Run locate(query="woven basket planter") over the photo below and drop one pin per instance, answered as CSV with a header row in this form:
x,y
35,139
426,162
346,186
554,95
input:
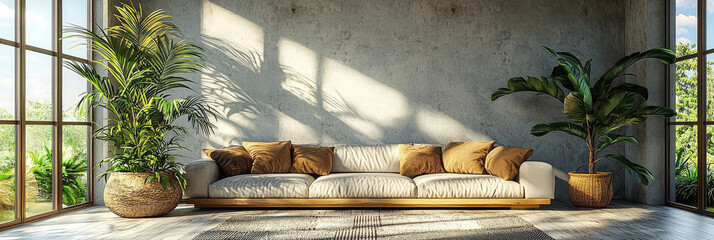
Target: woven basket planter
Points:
x,y
590,190
129,195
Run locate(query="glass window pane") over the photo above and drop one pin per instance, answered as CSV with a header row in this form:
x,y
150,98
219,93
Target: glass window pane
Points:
x,y
686,27
7,82
7,173
38,162
7,19
38,105
73,86
74,164
39,24
686,90
74,12
685,165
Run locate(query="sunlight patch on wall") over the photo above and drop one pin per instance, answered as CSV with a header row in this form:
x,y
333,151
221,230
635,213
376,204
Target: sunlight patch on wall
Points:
x,y
442,128
220,23
360,96
226,132
299,64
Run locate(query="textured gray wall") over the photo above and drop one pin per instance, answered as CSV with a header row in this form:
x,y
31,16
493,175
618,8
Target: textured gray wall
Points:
x,y
374,71
645,28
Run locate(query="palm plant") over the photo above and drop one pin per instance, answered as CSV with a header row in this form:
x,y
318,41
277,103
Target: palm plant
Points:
x,y
595,112
146,60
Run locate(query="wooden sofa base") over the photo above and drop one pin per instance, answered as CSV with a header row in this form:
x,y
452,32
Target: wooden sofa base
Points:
x,y
513,203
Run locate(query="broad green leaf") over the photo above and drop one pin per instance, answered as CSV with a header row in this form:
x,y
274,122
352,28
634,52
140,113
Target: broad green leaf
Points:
x,y
577,76
566,127
519,84
640,173
633,88
610,139
656,110
664,55
620,122
574,108
559,74
609,104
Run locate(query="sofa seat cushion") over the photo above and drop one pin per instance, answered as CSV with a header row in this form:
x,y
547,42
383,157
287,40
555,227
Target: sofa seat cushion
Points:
x,y
455,185
270,185
363,185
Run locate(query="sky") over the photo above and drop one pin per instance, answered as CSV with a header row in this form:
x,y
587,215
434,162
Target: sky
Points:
x,y
686,22
39,66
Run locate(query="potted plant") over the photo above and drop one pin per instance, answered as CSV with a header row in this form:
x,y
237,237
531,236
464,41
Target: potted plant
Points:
x,y
596,111
146,61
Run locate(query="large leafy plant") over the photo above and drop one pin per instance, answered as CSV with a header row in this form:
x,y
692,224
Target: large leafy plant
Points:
x,y
146,60
596,111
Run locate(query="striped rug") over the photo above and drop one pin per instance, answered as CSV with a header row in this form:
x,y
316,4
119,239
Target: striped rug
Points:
x,y
351,224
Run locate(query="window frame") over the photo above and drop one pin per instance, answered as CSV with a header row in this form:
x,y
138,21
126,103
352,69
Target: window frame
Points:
x,y
701,122
20,122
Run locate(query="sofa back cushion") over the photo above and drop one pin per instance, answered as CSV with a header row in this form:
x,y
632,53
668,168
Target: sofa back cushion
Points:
x,y
366,158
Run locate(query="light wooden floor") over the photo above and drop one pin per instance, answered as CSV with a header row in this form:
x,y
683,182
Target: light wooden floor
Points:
x,y
622,220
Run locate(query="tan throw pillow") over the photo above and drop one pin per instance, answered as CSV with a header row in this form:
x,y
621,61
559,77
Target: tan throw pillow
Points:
x,y
312,160
232,161
418,160
269,157
466,157
504,162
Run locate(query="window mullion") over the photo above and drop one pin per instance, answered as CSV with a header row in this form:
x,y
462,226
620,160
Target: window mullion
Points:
x,y
20,98
58,106
702,105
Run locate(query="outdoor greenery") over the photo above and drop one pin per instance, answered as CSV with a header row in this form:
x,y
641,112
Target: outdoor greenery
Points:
x,y
147,61
686,174
596,110
39,162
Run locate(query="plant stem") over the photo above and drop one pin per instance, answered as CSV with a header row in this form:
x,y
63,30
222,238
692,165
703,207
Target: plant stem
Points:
x,y
591,148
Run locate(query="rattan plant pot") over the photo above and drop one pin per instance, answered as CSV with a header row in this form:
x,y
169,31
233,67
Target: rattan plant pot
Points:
x,y
129,195
590,190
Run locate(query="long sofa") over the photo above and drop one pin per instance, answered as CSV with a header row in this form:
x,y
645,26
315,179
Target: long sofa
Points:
x,y
367,176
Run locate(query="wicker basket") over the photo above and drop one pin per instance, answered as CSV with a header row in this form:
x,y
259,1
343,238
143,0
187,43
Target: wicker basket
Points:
x,y
590,190
128,195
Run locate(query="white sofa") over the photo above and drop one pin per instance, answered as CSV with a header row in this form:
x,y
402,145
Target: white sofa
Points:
x,y
367,176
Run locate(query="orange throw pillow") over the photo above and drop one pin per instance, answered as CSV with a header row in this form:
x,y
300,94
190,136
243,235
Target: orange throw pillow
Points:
x,y
466,157
504,162
232,161
269,157
418,160
312,160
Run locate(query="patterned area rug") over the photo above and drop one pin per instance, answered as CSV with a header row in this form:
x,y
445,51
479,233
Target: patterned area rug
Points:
x,y
375,225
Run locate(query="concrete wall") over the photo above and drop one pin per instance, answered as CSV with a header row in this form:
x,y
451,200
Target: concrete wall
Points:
x,y
645,28
374,71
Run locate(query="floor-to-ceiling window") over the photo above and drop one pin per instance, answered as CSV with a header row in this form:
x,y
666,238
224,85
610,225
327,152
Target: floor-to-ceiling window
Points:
x,y
45,147
691,94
